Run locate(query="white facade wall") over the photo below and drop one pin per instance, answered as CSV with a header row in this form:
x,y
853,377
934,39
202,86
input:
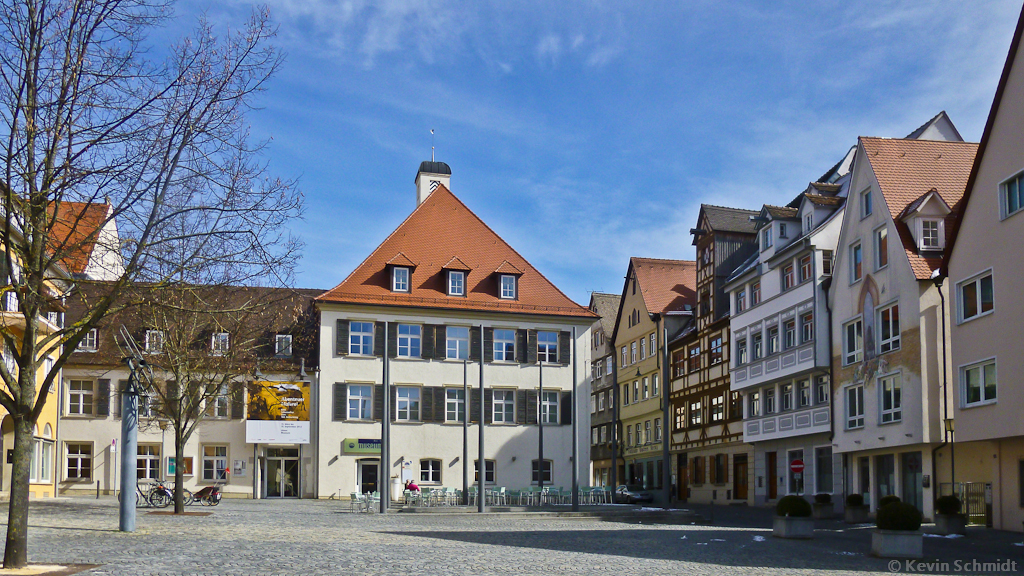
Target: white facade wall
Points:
x,y
99,431
513,447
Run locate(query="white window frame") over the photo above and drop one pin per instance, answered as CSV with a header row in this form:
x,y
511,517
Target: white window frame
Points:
x,y
978,300
786,395
803,393
454,405
856,251
788,276
220,343
806,327
508,287
83,459
657,429
407,405
754,404
772,343
456,342
741,299
766,237
431,473
283,345
890,392
1004,195
647,431
865,204
548,407
755,293
853,352
503,409
881,254
81,399
782,230
90,343
360,404
400,279
808,222
789,334
41,466
769,401
505,346
600,401
854,406
643,348
360,338
547,347
939,240
632,352
147,462
805,263
741,351
489,474
154,341
822,390
654,385
456,283
222,403
892,342
983,398
218,463
756,346
409,342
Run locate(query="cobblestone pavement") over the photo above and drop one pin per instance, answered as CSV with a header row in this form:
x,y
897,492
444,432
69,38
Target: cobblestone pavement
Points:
x,y
311,537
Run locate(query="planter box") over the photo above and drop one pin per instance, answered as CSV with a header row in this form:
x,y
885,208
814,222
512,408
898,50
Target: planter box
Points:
x,y
824,511
793,527
857,515
946,524
897,543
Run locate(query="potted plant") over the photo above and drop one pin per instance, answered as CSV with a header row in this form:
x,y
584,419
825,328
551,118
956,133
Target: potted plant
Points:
x,y
793,518
888,500
823,509
898,534
856,512
948,519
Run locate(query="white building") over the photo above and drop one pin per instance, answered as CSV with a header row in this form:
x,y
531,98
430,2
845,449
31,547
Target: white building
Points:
x,y
887,347
442,301
780,325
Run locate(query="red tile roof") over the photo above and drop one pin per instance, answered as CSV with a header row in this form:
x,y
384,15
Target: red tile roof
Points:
x,y
440,230
75,230
507,268
667,285
456,264
907,169
401,259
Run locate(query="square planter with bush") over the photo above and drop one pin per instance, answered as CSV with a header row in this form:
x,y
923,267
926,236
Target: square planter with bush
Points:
x,y
823,508
856,512
793,518
898,534
948,519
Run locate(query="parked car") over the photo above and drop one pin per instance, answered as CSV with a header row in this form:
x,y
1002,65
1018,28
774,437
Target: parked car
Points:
x,y
632,494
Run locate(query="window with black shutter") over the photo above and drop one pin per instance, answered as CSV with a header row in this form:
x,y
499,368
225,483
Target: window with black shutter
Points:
x,y
340,402
532,410
566,408
341,338
378,402
103,397
488,344
564,347
531,346
474,405
475,344
488,405
378,339
521,407
522,346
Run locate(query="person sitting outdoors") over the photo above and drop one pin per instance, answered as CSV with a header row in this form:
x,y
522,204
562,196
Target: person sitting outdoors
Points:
x,y
411,486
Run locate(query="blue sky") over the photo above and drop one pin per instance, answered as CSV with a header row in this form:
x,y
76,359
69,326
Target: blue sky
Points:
x,y
587,132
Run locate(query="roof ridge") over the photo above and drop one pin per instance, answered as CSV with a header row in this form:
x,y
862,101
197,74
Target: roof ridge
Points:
x,y
922,142
663,259
727,208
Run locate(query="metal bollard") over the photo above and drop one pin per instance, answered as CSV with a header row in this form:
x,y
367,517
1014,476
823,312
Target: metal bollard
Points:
x,y
97,489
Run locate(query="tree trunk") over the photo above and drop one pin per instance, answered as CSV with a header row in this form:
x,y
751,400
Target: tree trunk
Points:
x,y
16,551
179,474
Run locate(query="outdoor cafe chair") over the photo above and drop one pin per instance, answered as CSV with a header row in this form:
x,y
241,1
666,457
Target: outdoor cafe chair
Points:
x,y
357,502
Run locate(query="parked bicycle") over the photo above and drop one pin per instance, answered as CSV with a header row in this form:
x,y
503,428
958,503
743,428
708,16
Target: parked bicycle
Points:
x,y
158,495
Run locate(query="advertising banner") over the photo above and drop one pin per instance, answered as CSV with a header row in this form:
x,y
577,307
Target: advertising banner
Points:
x,y
360,446
278,413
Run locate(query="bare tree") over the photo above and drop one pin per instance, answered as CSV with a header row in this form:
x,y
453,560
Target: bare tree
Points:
x,y
88,120
205,343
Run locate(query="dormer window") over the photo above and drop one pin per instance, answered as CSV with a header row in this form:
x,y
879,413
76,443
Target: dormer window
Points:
x,y
782,230
399,279
931,236
508,287
456,283
766,238
808,222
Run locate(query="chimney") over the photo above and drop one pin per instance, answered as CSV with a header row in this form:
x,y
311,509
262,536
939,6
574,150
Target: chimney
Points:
x,y
430,176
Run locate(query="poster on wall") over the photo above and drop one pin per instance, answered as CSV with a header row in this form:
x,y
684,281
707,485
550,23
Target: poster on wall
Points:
x,y
278,413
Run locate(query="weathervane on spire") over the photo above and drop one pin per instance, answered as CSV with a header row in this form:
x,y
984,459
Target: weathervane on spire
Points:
x,y
431,144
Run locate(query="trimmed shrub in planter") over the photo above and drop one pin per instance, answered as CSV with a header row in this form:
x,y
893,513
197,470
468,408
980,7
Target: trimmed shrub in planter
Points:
x,y
898,534
856,512
888,500
793,518
948,519
823,509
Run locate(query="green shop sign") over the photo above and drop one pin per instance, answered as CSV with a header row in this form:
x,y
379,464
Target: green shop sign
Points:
x,y
360,446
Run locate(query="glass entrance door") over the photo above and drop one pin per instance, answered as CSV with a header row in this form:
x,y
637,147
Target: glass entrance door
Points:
x,y
282,477
368,476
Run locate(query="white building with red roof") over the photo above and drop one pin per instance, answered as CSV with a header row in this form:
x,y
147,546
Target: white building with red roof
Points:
x,y
887,346
441,303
